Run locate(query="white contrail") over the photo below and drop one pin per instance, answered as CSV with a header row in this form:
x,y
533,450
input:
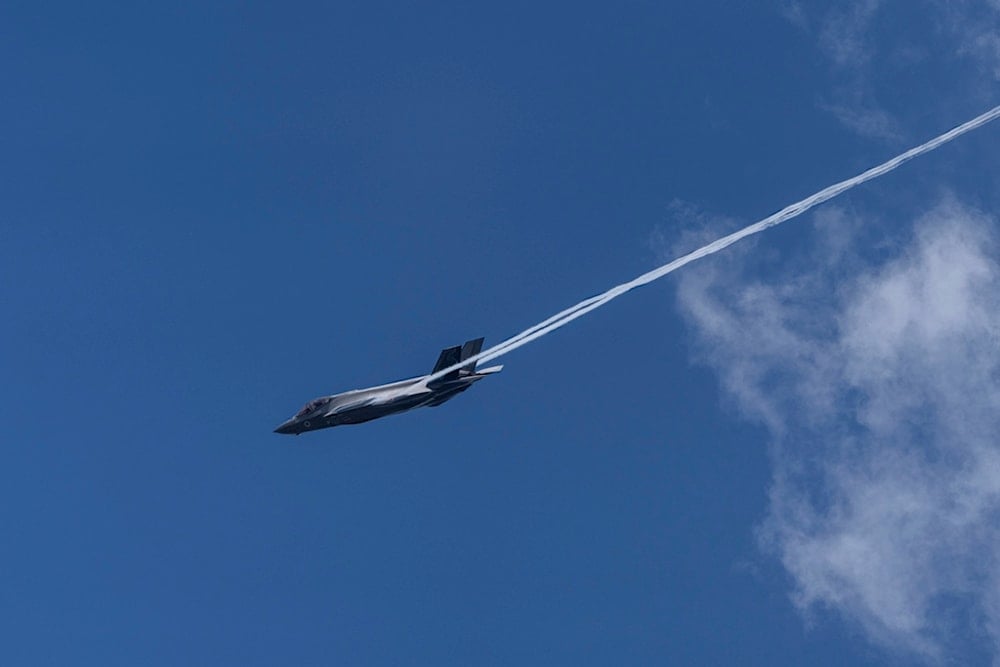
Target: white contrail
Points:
x,y
580,309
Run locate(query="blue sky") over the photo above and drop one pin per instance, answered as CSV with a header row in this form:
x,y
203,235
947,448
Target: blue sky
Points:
x,y
213,212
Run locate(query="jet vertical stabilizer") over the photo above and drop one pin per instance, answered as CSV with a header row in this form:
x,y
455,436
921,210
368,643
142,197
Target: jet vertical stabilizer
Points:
x,y
471,349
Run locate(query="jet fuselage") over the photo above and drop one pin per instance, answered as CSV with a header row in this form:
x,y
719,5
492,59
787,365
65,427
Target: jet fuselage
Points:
x,y
361,405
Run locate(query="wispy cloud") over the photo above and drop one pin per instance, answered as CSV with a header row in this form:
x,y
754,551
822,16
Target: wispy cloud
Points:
x,y
794,13
974,26
860,114
873,48
843,36
985,49
880,386
845,33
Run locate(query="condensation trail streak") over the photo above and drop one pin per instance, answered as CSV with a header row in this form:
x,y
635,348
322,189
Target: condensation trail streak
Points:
x,y
580,309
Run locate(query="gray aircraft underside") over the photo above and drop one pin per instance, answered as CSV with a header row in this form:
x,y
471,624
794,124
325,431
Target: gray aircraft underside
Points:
x,y
361,405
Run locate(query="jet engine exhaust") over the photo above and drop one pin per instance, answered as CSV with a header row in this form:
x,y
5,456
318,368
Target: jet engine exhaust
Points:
x,y
580,309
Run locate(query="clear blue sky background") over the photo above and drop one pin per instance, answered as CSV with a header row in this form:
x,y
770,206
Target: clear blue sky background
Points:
x,y
213,212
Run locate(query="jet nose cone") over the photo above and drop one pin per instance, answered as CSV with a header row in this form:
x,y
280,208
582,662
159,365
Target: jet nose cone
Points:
x,y
287,428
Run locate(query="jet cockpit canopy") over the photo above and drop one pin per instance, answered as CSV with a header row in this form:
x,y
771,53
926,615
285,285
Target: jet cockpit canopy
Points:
x,y
311,406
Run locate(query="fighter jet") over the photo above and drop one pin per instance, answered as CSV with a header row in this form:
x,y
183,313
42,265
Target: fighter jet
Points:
x,y
361,405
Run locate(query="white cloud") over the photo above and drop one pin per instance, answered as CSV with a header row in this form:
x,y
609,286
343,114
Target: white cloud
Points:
x,y
880,387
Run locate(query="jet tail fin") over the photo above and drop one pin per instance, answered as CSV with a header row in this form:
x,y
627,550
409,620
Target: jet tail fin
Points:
x,y
448,357
471,349
454,355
